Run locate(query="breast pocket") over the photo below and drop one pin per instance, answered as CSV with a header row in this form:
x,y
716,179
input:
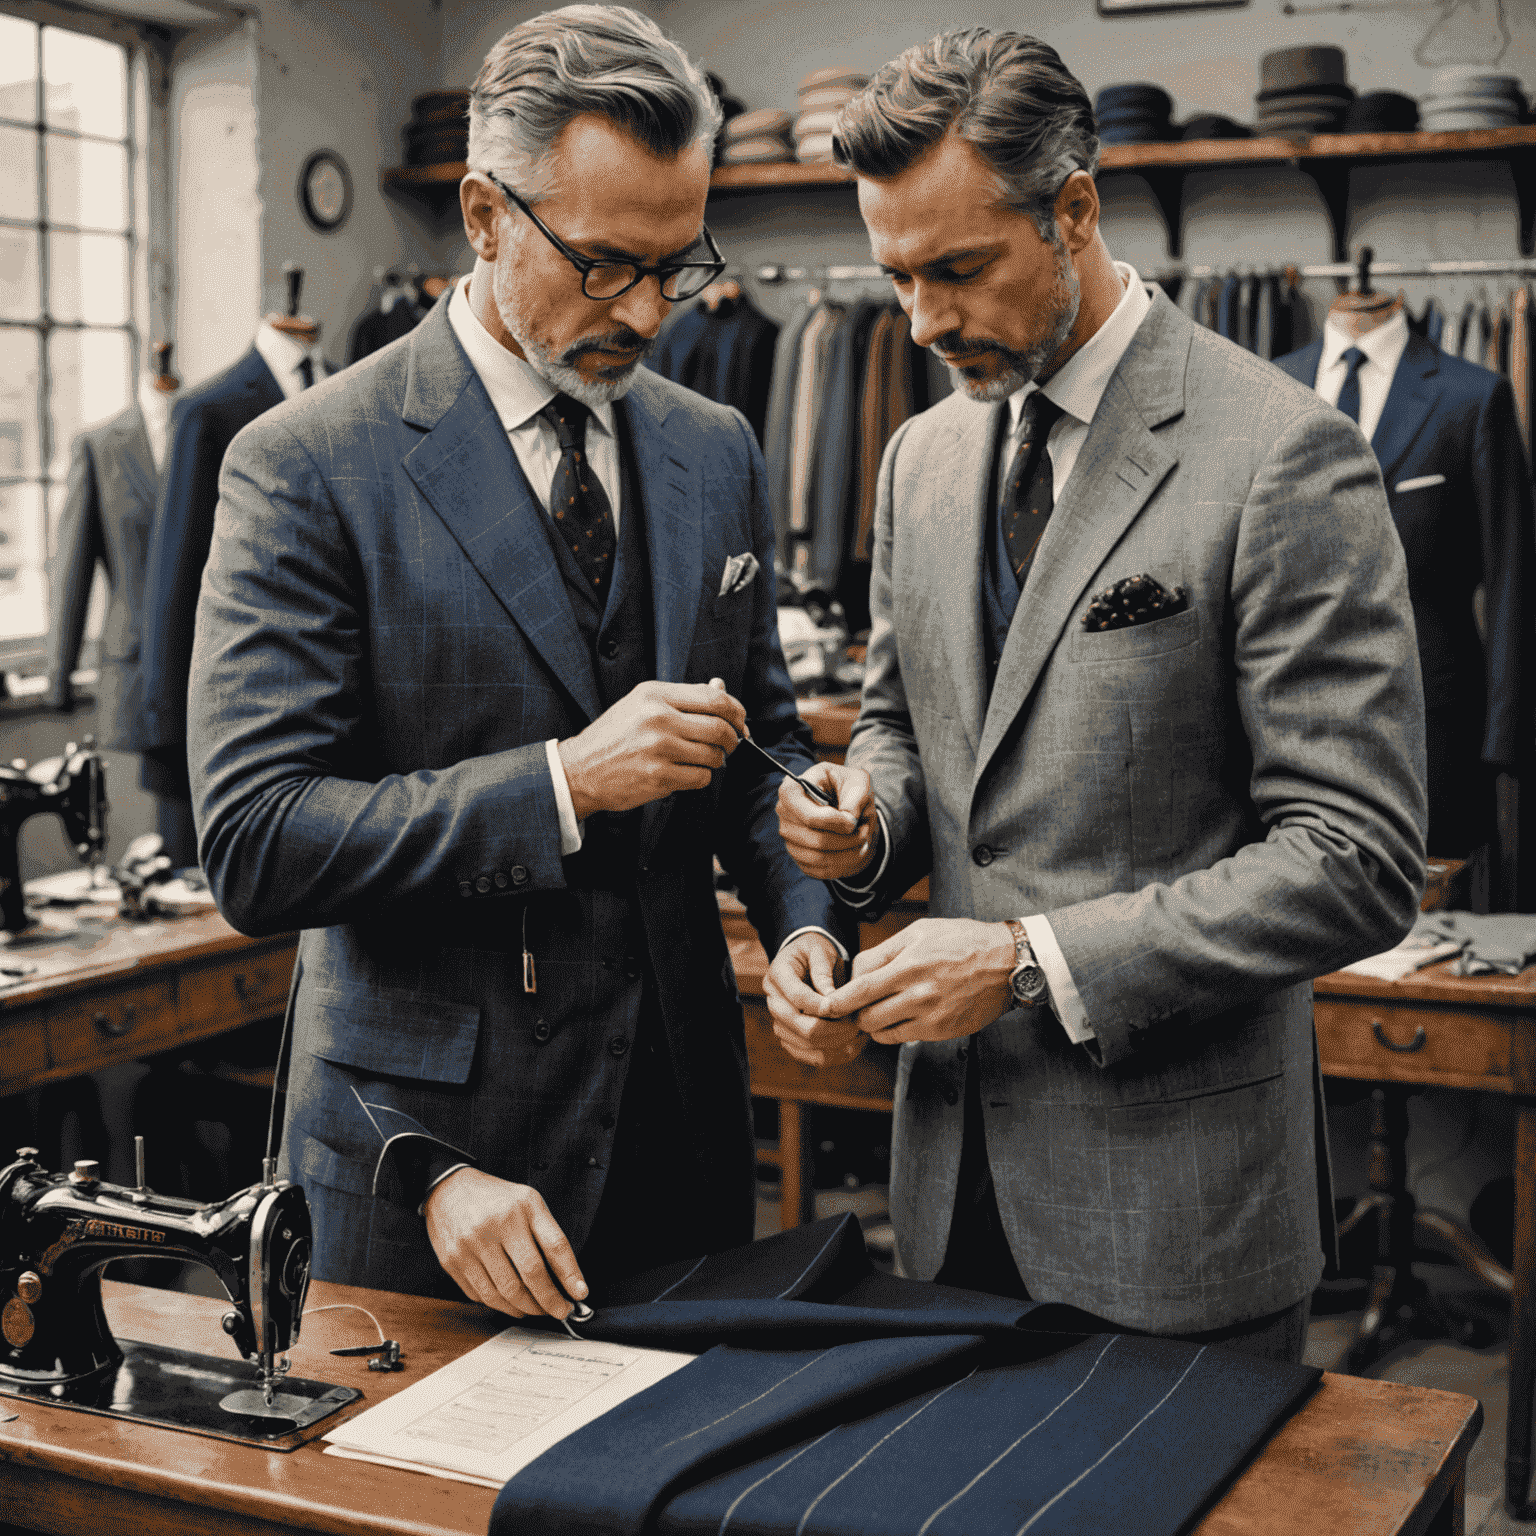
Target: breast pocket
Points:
x,y
1138,641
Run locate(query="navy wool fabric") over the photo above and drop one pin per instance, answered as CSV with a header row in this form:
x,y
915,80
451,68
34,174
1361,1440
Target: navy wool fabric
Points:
x,y
831,1398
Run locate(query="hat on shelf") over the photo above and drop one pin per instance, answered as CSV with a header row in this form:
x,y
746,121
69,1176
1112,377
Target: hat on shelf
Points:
x,y
1212,125
438,132
1135,113
1302,90
809,124
1301,69
833,75
763,151
1381,112
817,149
761,122
823,97
1464,96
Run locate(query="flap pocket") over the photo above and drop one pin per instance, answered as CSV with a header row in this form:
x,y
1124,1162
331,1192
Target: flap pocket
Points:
x,y
392,1034
1151,639
315,1163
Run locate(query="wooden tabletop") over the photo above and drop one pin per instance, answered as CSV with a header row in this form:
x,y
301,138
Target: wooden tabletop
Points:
x,y
1374,1458
1437,984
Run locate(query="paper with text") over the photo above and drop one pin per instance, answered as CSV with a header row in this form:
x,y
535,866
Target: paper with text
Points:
x,y
492,1411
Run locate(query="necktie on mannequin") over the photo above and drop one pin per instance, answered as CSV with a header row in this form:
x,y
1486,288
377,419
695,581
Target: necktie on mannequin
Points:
x,y
577,501
1029,494
1349,395
306,371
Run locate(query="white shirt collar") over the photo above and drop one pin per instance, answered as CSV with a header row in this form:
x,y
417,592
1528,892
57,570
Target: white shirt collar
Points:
x,y
518,393
1079,384
283,353
1384,346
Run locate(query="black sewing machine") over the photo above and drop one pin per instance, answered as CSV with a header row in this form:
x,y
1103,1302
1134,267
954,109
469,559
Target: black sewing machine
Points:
x,y
74,788
56,1233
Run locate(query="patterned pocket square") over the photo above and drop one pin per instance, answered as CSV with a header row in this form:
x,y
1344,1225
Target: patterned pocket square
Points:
x,y
1135,600
740,572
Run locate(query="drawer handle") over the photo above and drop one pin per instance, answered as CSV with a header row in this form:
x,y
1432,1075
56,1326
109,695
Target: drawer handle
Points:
x,y
114,1029
1416,1044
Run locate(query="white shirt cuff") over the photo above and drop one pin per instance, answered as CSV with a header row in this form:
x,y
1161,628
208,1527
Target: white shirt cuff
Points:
x,y
812,928
1065,1001
571,830
867,891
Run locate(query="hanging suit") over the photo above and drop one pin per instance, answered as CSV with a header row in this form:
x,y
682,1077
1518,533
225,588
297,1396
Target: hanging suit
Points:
x,y
108,508
1460,495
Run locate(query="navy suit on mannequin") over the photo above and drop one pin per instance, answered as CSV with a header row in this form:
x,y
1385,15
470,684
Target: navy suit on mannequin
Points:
x,y
1460,495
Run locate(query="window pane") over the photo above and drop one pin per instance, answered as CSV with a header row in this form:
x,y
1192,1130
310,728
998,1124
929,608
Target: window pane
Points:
x,y
85,83
18,402
18,274
88,278
18,69
23,595
18,173
87,183
90,383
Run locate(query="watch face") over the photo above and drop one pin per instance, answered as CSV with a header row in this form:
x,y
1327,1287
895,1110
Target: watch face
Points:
x,y
1029,985
325,190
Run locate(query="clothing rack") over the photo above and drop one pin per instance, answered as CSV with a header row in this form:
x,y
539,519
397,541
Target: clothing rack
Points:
x,y
1348,269
774,273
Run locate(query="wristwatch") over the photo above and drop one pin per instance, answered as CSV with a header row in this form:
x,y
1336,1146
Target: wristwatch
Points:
x,y
1026,981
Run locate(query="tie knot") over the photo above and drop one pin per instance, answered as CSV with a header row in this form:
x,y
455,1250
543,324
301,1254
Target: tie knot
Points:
x,y
1354,357
568,417
1039,415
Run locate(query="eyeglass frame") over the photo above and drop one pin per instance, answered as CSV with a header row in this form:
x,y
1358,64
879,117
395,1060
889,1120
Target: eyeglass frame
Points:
x,y
585,265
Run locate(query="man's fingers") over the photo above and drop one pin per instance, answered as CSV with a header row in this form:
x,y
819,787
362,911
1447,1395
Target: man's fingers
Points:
x,y
558,1254
864,991
528,1261
706,699
509,1291
823,964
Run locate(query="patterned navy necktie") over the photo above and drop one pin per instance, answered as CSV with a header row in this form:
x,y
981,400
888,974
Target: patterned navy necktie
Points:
x,y
1029,493
306,371
577,501
1349,395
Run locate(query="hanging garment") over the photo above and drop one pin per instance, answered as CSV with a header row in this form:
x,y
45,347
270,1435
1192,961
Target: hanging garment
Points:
x,y
831,1398
1520,362
725,354
395,311
1449,446
109,504
778,436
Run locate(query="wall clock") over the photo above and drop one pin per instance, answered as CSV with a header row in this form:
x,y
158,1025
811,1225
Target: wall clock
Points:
x,y
325,191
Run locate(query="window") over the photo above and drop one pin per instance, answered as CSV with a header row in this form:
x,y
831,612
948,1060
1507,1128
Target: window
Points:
x,y
73,116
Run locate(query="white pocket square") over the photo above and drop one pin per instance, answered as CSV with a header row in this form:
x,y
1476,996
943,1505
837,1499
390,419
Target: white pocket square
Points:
x,y
1419,483
740,571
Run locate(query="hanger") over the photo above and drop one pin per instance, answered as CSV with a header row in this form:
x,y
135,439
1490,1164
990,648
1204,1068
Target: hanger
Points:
x,y
1361,312
165,381
304,329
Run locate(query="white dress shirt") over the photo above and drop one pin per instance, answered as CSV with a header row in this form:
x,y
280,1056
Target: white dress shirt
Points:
x,y
1077,387
283,353
1383,348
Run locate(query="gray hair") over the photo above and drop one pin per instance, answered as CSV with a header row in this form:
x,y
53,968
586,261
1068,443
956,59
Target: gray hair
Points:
x,y
603,59
1006,94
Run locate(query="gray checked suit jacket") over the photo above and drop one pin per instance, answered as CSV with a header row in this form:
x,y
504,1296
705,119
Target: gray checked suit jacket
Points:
x,y
1211,809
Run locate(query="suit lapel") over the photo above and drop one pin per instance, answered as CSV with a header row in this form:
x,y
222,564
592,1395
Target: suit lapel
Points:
x,y
136,461
1302,365
1121,464
469,475
1410,399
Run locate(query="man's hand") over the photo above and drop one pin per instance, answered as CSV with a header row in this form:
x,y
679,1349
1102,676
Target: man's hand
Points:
x,y
939,979
798,982
830,844
660,738
501,1246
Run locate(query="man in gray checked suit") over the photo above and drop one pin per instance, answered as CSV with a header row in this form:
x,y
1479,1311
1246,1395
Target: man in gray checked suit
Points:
x,y
485,617
1142,701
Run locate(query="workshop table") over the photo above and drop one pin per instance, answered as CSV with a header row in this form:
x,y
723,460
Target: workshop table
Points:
x,y
1373,1458
117,990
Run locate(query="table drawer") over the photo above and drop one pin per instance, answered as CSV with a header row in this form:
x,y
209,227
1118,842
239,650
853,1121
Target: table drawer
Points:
x,y
1363,1038
251,987
134,1021
23,1053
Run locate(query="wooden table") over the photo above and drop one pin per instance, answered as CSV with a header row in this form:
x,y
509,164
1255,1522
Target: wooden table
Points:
x,y
117,990
1371,1458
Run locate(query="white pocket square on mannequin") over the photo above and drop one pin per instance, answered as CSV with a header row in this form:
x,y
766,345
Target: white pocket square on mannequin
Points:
x,y
1419,483
740,572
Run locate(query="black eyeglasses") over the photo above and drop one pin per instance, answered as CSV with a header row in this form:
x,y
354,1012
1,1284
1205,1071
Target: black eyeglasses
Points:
x,y
604,280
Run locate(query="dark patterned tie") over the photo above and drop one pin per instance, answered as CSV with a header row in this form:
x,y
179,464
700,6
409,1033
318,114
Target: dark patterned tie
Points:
x,y
306,371
1349,395
577,501
1029,494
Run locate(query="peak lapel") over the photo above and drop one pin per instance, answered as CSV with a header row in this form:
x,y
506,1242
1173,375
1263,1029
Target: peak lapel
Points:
x,y
466,470
1409,400
1121,464
138,463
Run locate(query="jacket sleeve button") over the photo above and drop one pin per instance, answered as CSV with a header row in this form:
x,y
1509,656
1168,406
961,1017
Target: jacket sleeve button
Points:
x,y
500,878
591,1162
519,875
982,855
618,1046
483,885
465,888
950,1096
541,1031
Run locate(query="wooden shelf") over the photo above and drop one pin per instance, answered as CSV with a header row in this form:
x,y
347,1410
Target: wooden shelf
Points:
x,y
1325,158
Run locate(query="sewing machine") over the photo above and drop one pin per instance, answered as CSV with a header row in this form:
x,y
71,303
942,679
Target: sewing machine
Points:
x,y
57,1231
73,787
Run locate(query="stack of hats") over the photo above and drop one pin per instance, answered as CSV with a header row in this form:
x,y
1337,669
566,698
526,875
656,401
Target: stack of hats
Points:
x,y
1463,96
1134,114
1303,91
820,97
760,137
1382,112
438,131
1212,125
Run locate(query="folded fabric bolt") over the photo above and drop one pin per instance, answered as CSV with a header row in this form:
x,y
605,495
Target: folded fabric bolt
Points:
x,y
763,122
904,1405
827,98
809,123
1503,943
817,147
833,74
756,152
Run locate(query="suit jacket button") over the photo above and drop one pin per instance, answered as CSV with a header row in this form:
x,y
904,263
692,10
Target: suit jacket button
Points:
x,y
591,1162
982,855
631,967
519,875
465,888
501,879
950,1096
610,648
541,1031
618,1046
483,885
607,1122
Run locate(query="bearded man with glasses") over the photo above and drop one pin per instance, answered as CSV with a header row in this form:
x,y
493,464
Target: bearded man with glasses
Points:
x,y
457,713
